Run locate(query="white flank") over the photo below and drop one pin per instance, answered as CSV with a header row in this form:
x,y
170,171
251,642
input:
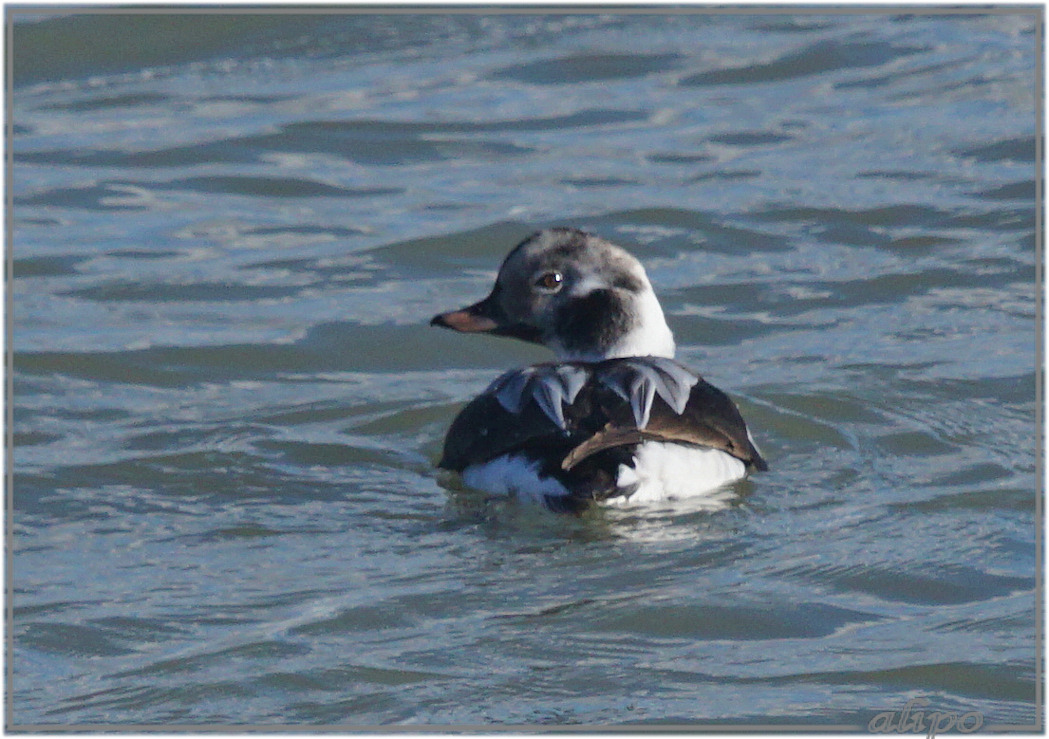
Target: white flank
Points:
x,y
663,471
513,476
672,471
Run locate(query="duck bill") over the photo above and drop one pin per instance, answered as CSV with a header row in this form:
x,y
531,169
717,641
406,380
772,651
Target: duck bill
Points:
x,y
486,317
479,318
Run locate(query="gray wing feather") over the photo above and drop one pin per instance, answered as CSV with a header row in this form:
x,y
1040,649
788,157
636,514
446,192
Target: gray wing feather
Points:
x,y
642,391
509,387
549,386
637,381
676,383
559,385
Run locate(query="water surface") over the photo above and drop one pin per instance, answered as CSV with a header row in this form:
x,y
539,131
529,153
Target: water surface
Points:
x,y
230,232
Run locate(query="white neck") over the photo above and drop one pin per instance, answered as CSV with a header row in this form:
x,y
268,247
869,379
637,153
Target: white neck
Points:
x,y
650,336
645,343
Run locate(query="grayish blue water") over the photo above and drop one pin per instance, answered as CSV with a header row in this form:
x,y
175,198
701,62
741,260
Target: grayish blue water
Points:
x,y
230,232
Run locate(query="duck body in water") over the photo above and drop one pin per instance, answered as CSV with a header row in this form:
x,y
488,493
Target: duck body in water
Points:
x,y
615,419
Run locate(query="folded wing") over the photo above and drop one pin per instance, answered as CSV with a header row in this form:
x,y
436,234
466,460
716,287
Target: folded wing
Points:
x,y
572,411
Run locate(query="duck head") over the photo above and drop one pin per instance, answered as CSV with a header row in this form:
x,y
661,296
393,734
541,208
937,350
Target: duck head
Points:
x,y
575,293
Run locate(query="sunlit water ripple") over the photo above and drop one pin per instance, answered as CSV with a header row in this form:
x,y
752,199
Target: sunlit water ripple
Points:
x,y
230,232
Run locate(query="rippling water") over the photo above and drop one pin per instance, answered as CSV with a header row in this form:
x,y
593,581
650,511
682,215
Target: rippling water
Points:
x,y
230,231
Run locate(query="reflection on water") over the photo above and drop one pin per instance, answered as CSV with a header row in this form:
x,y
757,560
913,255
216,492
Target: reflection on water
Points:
x,y
231,229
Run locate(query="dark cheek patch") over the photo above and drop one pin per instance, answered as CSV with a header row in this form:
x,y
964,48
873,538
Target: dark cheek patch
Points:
x,y
593,321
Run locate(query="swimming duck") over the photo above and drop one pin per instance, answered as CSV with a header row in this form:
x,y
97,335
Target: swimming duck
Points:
x,y
615,418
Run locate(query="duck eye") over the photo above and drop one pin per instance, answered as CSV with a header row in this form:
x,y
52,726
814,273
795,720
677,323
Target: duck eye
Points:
x,y
550,280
